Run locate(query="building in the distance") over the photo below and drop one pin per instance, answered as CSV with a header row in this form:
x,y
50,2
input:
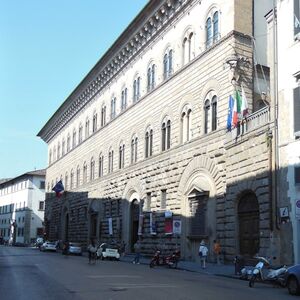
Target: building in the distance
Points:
x,y
22,202
142,144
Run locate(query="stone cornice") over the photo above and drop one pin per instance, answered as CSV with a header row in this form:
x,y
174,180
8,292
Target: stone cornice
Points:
x,y
155,16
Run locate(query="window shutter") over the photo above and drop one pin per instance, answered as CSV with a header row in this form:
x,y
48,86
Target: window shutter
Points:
x,y
297,111
296,17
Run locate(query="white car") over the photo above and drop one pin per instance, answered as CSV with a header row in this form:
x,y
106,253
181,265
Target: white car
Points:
x,y
75,248
106,251
48,246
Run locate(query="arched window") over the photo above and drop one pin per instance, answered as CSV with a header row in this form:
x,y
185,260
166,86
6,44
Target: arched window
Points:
x,y
72,179
168,64
68,143
103,115
187,46
92,175
136,89
66,181
84,178
111,161
166,135
87,128
134,149
148,142
58,150
208,33
210,112
124,99
80,134
94,122
101,165
216,27
63,147
74,139
151,78
50,157
113,108
186,124
78,176
121,156
54,154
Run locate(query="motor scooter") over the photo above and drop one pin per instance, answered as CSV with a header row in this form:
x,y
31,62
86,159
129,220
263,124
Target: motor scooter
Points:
x,y
170,260
265,272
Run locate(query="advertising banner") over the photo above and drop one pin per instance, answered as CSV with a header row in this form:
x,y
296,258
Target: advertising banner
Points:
x,y
168,222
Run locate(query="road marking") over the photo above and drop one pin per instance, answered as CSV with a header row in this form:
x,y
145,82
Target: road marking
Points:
x,y
142,286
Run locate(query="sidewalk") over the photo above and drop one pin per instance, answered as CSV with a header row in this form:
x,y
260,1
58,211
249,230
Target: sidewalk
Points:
x,y
226,270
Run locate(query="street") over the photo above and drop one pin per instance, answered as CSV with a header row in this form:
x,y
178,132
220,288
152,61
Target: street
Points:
x,y
27,273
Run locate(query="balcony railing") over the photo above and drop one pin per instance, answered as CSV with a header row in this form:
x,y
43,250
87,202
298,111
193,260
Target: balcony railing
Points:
x,y
252,122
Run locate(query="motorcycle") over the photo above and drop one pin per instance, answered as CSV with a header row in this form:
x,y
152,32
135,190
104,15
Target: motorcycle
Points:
x,y
170,260
264,272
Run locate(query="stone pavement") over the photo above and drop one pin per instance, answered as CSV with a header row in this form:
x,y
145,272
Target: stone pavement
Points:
x,y
226,270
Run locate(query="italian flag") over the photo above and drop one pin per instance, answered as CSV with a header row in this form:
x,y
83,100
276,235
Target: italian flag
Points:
x,y
236,109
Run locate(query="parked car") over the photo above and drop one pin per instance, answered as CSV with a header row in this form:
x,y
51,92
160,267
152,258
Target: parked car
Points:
x,y
292,280
75,248
48,246
108,251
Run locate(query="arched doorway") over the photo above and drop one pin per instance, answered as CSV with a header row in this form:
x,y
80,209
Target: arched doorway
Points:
x,y
248,215
134,222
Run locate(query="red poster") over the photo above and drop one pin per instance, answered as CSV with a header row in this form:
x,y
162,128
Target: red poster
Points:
x,y
168,222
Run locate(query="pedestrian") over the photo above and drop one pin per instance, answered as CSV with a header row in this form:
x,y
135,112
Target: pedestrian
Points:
x,y
137,250
217,251
92,251
203,251
66,247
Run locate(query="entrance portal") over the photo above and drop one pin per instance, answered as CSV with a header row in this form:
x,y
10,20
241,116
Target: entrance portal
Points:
x,y
248,214
134,215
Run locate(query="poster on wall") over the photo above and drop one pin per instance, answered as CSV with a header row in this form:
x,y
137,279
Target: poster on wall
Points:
x,y
168,222
141,221
152,223
177,227
110,226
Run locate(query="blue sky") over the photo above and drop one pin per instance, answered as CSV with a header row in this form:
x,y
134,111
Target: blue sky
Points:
x,y
46,48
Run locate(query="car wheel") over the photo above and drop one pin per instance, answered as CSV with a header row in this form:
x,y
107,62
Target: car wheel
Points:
x,y
293,285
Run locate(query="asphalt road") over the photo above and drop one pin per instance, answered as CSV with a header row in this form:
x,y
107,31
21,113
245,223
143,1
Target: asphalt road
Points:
x,y
28,274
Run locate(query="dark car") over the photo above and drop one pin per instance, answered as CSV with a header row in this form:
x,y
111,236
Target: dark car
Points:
x,y
293,280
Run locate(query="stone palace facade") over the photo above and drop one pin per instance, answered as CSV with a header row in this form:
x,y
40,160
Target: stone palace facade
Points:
x,y
141,144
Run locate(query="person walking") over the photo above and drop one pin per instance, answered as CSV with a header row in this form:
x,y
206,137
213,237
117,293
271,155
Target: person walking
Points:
x,y
137,250
217,251
203,251
92,251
